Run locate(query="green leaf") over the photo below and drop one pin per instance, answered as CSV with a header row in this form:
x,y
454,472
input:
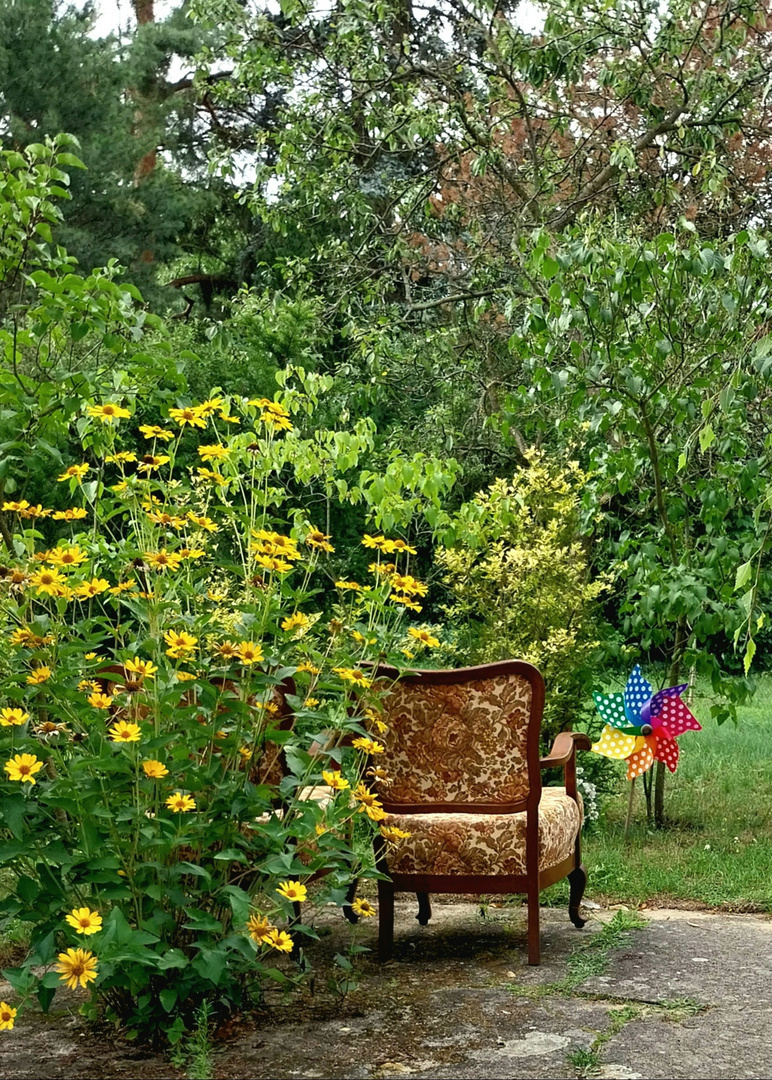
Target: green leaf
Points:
x,y
707,437
750,652
168,998
743,574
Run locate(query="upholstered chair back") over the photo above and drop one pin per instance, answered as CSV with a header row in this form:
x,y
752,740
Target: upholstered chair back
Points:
x,y
461,738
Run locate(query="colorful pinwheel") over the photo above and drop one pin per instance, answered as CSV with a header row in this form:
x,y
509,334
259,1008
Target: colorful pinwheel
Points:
x,y
642,727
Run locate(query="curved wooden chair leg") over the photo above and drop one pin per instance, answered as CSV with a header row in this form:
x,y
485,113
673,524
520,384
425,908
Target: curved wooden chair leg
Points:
x,y
385,920
577,881
351,893
424,908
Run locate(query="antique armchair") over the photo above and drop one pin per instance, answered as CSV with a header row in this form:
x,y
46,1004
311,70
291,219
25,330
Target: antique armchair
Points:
x,y
464,779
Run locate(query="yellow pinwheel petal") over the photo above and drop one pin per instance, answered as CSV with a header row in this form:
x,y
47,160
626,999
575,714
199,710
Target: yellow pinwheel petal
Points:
x,y
613,744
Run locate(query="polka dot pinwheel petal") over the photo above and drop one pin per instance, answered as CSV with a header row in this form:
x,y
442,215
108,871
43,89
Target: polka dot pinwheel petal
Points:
x,y
613,744
658,700
677,717
637,693
667,751
611,708
642,759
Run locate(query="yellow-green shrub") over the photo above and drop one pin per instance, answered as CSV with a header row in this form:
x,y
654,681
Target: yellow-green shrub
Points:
x,y
519,576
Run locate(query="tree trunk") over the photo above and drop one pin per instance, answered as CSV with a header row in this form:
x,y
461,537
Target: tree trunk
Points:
x,y
673,675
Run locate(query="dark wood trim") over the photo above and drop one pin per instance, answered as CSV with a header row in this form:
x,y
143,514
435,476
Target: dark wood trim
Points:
x,y
455,807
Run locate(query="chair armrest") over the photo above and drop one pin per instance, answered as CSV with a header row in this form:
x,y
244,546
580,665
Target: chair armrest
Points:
x,y
564,749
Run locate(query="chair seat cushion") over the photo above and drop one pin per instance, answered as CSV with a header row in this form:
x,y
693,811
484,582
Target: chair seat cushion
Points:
x,y
485,844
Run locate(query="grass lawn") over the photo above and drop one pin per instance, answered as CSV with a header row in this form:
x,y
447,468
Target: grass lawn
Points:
x,y
717,848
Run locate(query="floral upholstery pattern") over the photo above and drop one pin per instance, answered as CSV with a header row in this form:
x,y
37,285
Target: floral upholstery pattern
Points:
x,y
457,742
484,843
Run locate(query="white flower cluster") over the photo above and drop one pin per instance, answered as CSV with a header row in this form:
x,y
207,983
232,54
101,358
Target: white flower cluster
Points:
x,y
589,794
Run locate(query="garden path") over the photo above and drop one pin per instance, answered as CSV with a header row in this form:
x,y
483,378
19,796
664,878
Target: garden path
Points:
x,y
686,994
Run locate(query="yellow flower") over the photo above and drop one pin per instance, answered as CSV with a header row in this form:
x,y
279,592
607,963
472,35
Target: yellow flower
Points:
x,y
39,675
14,507
161,518
13,717
354,586
363,908
92,656
393,834
293,890
7,1016
406,602
23,636
249,652
122,457
66,556
151,431
311,703
180,803
163,560
203,522
74,471
156,770
125,732
186,676
146,669
369,746
77,967
369,803
309,667
34,512
47,581
85,921
23,767
407,584
213,452
269,563
90,685
229,419
210,406
100,700
180,643
119,487
373,541
91,588
279,939
400,545
152,461
108,412
259,928
227,650
212,475
191,553
73,513
296,621
123,586
317,539
335,781
424,637
191,415
353,675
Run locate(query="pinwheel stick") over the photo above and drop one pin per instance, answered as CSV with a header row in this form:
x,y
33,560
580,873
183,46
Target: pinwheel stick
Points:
x,y
630,798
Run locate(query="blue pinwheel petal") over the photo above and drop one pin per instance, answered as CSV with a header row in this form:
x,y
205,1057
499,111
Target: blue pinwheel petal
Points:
x,y
637,693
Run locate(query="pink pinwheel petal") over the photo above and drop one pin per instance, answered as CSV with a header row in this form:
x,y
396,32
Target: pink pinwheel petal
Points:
x,y
677,718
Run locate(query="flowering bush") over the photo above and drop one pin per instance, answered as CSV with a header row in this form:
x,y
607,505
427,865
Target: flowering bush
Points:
x,y
174,658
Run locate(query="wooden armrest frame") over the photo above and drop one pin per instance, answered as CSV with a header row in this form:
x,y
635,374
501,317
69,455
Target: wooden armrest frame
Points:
x,y
563,756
